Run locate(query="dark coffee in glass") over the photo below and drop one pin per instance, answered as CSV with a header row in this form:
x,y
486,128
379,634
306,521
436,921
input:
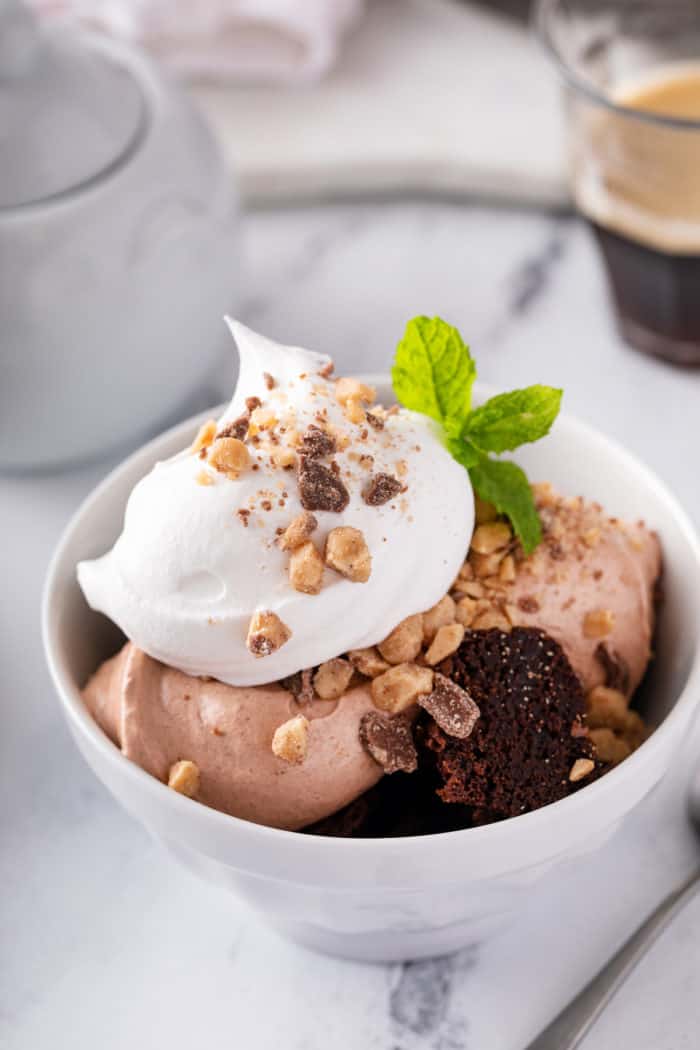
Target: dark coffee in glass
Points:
x,y
633,93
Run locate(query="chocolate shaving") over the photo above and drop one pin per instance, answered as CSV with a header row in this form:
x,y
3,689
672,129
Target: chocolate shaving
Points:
x,y
316,443
389,741
617,674
320,489
237,429
380,489
451,707
374,421
300,685
251,403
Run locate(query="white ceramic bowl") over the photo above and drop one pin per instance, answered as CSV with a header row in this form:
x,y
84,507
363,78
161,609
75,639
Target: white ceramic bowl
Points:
x,y
388,899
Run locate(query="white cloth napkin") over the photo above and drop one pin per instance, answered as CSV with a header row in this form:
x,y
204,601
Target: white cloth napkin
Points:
x,y
277,41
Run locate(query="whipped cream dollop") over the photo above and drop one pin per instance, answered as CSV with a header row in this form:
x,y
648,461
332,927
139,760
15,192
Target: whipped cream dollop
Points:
x,y
199,553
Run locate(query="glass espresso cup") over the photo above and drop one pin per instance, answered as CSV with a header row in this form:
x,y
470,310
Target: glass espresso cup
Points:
x,y
631,70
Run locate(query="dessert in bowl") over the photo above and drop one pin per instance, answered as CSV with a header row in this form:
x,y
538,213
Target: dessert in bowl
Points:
x,y
391,710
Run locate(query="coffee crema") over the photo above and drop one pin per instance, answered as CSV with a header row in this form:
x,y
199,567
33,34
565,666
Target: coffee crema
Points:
x,y
637,180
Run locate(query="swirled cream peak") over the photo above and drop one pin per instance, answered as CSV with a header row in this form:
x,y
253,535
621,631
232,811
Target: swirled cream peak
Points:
x,y
305,522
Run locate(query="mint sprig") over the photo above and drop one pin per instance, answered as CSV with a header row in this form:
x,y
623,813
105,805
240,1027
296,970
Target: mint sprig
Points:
x,y
433,374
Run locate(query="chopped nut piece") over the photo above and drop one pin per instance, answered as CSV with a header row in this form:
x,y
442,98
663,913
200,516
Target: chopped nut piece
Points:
x,y
486,564
451,707
332,678
317,443
306,569
269,381
353,411
266,633
347,389
284,458
368,662
484,511
472,588
298,531
389,741
609,748
299,685
506,570
580,769
606,708
261,419
380,489
486,621
447,641
374,421
326,371
205,436
491,537
229,456
401,468
204,478
439,616
320,489
237,429
400,686
405,641
347,553
465,611
290,741
184,778
598,623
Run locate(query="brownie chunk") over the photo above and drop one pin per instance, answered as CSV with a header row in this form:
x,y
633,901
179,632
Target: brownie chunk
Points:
x,y
530,731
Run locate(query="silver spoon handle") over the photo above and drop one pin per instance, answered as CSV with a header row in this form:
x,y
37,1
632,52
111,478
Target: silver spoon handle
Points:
x,y
568,1029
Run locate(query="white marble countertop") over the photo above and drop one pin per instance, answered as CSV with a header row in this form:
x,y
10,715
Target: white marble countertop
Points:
x,y
107,943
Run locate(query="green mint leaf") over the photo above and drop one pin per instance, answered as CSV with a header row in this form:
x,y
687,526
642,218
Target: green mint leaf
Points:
x,y
433,371
463,451
506,486
509,420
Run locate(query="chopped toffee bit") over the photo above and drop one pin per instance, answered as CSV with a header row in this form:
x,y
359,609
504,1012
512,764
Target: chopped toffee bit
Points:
x,y
316,443
606,709
320,489
347,553
609,747
348,389
299,685
389,741
298,531
205,436
353,411
368,662
380,489
441,615
306,568
374,421
229,456
266,633
237,429
290,741
269,381
400,686
447,640
491,537
204,478
332,678
183,777
404,643
262,419
598,623
251,403
617,673
580,769
451,707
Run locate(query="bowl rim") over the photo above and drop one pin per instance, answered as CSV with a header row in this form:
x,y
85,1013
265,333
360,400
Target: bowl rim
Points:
x,y
526,823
